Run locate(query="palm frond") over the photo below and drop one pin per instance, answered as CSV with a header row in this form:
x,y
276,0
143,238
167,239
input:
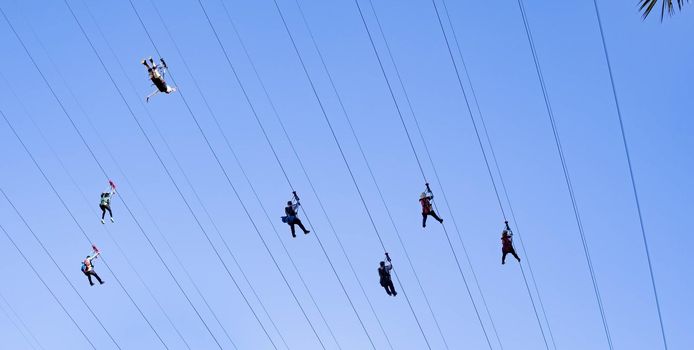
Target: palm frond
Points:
x,y
646,6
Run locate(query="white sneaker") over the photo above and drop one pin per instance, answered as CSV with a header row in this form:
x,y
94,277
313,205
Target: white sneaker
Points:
x,y
112,220
102,221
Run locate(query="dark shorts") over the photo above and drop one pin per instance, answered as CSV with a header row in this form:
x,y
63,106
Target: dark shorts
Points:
x,y
160,84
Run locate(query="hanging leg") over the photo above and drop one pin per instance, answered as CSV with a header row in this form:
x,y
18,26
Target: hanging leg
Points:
x,y
110,213
97,277
152,94
103,213
293,230
433,214
392,288
89,277
513,252
503,258
301,225
424,220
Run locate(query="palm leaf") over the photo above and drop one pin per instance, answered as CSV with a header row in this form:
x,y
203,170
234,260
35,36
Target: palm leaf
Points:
x,y
667,6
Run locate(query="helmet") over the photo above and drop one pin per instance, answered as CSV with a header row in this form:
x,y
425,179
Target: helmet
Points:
x,y
424,195
383,263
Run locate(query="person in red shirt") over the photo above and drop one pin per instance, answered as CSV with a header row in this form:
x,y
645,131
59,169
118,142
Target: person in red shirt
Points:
x,y
425,201
507,246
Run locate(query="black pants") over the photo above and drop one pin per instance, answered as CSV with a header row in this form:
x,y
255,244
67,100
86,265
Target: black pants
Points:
x,y
89,276
389,287
104,208
433,215
301,226
510,251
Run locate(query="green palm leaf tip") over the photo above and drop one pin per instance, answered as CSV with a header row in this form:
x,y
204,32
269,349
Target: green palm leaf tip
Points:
x,y
667,6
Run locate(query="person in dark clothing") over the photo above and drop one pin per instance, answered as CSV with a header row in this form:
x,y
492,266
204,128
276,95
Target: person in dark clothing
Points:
x,y
291,218
425,201
507,246
105,204
88,268
384,275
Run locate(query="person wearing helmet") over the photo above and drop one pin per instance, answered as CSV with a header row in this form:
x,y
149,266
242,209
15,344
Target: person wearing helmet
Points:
x,y
425,201
384,275
507,245
88,268
291,218
105,204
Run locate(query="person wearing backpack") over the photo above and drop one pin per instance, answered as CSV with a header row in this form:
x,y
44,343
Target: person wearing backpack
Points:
x,y
291,211
88,267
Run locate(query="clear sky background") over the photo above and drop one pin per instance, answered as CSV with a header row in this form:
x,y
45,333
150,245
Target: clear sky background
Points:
x,y
653,73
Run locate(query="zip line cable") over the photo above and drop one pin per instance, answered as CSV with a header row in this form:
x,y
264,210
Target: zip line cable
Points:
x,y
631,173
226,175
28,263
397,106
71,214
177,188
84,233
74,183
314,191
228,180
45,250
205,210
567,178
23,324
325,115
501,178
275,112
17,327
344,110
69,211
103,170
436,175
479,140
239,163
72,179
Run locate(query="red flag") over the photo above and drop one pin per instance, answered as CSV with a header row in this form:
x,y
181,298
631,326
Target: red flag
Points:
x,y
112,184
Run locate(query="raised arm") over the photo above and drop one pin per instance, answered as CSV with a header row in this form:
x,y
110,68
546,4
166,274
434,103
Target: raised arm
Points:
x,y
93,256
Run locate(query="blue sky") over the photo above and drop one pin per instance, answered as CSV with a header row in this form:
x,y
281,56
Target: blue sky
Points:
x,y
651,72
